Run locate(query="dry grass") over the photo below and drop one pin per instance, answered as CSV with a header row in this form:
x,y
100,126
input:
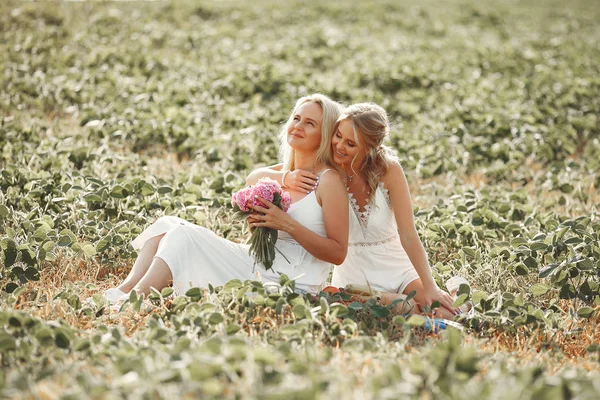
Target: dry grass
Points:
x,y
555,348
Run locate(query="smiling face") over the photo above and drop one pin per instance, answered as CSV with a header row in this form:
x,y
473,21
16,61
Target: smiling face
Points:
x,y
347,150
304,130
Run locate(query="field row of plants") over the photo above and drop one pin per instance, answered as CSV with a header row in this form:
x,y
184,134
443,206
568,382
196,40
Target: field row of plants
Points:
x,y
114,114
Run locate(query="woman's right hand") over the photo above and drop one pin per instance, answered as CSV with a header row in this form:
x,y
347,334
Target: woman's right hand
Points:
x,y
301,180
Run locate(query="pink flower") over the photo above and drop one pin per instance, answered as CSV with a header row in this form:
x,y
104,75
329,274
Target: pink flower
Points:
x,y
286,201
241,199
264,188
261,240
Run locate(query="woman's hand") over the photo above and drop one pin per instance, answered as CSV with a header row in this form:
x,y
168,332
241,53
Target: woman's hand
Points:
x,y
269,216
301,180
437,294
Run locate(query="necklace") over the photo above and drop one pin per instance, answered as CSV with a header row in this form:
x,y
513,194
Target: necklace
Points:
x,y
363,187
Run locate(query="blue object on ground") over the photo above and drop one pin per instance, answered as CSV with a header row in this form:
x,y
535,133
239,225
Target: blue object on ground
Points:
x,y
437,324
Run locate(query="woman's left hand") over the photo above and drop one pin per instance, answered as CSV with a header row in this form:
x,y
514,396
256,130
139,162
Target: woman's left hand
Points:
x,y
270,216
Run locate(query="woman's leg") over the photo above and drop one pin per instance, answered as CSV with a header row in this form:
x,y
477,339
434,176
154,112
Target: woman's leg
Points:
x,y
141,265
158,276
417,285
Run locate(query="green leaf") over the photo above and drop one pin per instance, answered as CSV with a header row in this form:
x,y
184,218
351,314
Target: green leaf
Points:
x,y
82,345
548,270
10,257
41,233
154,294
195,293
102,245
88,249
7,342
463,288
539,289
166,292
585,312
338,310
3,211
119,192
567,291
8,243
460,300
469,252
216,318
301,311
380,311
232,284
521,269
356,305
232,328
32,274
411,295
566,188
62,340
416,320
48,245
92,198
585,265
538,246
492,314
530,263
164,189
64,241
146,189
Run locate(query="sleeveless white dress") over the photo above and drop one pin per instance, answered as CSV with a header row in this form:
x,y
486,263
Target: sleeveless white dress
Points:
x,y
375,254
197,256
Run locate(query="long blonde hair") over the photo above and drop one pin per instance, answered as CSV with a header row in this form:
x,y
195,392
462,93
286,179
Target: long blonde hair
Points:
x,y
371,121
331,111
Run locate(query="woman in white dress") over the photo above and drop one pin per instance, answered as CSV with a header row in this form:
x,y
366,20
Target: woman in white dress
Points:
x,y
313,233
385,252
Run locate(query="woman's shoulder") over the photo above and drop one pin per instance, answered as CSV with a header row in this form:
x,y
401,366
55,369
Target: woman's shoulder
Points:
x,y
329,176
394,172
329,172
330,181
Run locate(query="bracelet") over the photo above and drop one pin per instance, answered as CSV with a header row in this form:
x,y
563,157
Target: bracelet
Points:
x,y
283,185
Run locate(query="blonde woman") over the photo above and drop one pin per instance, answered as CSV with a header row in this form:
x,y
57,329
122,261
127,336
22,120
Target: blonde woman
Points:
x,y
385,251
313,233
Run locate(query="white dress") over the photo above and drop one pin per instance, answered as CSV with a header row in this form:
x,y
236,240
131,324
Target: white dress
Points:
x,y
197,256
375,254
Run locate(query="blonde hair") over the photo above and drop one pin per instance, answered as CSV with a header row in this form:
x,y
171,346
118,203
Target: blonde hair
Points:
x,y
331,111
372,122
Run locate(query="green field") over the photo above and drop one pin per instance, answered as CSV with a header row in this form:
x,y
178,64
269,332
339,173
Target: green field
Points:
x,y
113,114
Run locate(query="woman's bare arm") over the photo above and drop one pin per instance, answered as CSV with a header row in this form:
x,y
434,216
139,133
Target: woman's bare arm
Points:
x,y
273,171
396,183
299,179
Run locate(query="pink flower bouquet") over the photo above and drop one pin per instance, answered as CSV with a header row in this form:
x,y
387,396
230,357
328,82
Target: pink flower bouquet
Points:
x,y
262,241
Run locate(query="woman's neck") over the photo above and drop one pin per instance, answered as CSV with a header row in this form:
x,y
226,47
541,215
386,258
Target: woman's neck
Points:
x,y
306,162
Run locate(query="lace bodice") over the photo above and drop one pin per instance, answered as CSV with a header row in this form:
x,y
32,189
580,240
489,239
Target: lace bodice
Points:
x,y
375,253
